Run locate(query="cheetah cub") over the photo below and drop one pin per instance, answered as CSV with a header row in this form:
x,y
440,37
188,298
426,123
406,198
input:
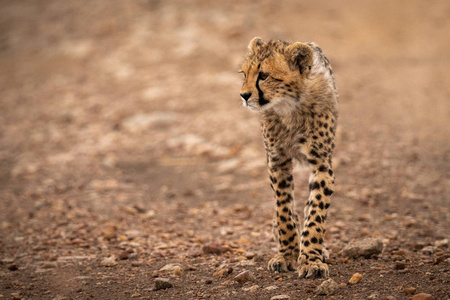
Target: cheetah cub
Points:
x,y
292,87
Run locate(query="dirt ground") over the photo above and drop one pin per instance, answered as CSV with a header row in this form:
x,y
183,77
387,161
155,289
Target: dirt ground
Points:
x,y
126,156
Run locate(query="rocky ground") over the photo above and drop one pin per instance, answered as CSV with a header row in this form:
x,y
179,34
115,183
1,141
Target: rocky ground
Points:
x,y
129,169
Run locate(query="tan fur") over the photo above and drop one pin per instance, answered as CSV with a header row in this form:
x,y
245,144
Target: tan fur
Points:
x,y
292,86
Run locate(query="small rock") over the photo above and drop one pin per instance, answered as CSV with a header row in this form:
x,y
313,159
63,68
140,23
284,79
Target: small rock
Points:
x,y
124,255
249,255
109,261
13,267
15,296
328,287
213,248
399,265
243,277
135,295
366,248
422,296
177,271
110,234
389,298
208,281
429,250
409,290
223,272
281,297
130,210
355,278
49,265
270,288
252,289
169,267
162,283
441,243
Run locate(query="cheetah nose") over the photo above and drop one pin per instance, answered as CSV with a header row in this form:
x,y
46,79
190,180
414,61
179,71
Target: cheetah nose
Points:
x,y
246,96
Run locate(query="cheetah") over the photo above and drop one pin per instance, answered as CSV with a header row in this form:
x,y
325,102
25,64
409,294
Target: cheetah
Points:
x,y
292,87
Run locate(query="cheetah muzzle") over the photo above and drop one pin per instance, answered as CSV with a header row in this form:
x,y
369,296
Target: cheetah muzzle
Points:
x,y
292,86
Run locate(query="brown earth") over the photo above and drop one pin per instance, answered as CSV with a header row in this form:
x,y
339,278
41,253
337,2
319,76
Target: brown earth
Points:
x,y
124,148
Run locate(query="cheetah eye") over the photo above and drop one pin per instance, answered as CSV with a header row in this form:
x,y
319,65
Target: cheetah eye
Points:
x,y
242,72
263,76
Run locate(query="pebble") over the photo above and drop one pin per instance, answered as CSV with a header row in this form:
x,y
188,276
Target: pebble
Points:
x,y
429,250
243,277
177,271
281,297
169,267
162,283
213,248
441,243
271,288
109,261
328,287
409,290
15,296
110,234
49,265
355,278
223,272
252,289
422,296
13,267
400,265
124,255
366,248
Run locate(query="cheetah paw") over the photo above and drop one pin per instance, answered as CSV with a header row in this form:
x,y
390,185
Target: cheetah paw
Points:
x,y
281,263
313,270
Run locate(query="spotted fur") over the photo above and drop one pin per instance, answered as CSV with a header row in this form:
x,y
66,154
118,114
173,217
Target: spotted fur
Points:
x,y
292,86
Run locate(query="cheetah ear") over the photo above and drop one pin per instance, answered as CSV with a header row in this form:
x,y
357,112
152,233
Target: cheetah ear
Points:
x,y
255,43
299,57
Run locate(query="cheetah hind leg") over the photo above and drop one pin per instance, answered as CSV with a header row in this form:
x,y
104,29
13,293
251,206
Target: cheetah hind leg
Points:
x,y
283,262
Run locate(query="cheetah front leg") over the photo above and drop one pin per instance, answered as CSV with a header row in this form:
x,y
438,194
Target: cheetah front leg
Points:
x,y
285,223
311,262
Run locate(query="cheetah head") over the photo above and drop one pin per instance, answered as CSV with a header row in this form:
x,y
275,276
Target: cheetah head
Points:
x,y
274,74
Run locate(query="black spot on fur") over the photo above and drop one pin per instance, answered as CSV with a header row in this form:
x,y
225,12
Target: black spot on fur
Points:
x,y
314,186
312,161
314,240
318,219
314,153
327,192
283,184
283,219
305,233
322,168
318,196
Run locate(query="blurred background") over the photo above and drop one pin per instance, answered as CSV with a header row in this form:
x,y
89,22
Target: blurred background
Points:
x,y
122,119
